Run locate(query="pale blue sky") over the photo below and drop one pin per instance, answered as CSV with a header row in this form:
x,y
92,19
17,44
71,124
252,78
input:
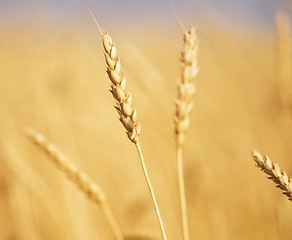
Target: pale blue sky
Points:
x,y
249,11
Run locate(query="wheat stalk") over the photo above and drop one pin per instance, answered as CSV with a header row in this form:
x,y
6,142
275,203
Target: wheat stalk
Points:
x,y
83,182
274,173
127,114
184,105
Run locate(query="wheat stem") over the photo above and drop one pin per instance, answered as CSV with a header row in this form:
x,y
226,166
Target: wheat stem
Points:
x,y
111,220
182,196
184,105
84,183
123,99
127,114
151,190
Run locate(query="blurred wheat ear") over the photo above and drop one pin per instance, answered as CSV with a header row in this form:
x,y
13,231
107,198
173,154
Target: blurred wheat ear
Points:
x,y
274,173
184,105
83,182
283,58
127,114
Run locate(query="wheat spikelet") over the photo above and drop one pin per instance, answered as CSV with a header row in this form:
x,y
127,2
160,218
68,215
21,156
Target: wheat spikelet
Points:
x,y
184,104
274,173
128,116
186,87
90,189
283,58
84,183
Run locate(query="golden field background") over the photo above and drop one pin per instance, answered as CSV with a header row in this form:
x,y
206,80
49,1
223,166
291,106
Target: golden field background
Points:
x,y
58,86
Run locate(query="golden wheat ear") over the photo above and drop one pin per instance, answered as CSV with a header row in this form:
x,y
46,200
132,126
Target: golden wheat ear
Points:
x,y
274,173
127,114
83,182
186,86
283,58
184,105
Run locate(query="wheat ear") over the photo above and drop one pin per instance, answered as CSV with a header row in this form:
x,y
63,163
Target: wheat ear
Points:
x,y
184,105
127,114
84,183
283,58
274,173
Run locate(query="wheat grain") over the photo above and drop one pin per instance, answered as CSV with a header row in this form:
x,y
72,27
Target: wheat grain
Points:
x,y
93,192
128,116
186,87
274,173
84,183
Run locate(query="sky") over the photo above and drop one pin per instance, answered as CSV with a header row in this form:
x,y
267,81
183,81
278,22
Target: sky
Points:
x,y
70,11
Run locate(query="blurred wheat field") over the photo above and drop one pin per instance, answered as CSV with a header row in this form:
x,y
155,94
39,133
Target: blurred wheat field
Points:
x,y
59,86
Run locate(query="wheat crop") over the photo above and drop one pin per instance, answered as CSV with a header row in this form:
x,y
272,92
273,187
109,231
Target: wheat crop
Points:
x,y
186,87
274,173
127,115
283,58
59,85
184,105
84,183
